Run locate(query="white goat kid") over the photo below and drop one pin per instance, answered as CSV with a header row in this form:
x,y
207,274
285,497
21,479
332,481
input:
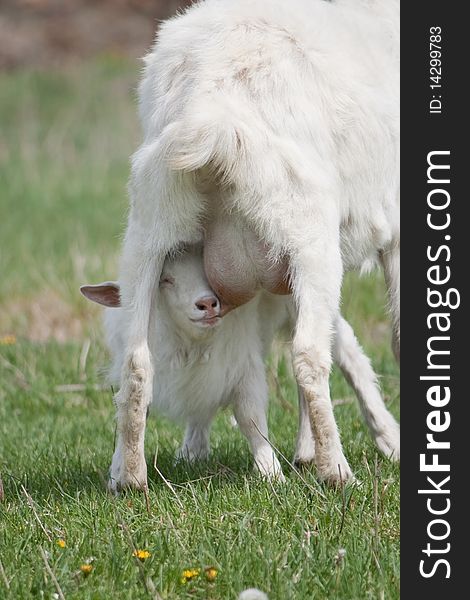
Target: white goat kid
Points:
x,y
283,115
203,362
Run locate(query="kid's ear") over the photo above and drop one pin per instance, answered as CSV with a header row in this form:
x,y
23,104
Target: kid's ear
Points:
x,y
106,293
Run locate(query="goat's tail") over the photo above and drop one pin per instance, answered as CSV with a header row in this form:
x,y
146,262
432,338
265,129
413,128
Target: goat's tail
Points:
x,y
215,139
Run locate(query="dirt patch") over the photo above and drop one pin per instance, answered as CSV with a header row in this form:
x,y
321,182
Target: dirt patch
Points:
x,y
53,33
45,317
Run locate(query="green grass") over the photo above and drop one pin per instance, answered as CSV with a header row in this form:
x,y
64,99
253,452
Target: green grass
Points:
x,y
66,138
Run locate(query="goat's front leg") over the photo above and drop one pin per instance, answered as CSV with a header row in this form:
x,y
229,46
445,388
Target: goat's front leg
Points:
x,y
249,406
305,445
196,441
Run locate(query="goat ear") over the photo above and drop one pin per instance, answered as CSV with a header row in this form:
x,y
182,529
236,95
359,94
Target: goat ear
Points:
x,y
106,293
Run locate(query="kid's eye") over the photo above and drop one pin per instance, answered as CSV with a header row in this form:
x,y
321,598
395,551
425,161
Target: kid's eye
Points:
x,y
167,281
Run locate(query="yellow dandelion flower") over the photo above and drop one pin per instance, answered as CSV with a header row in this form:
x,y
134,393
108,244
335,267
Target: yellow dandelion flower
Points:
x,y
8,340
189,575
211,574
86,569
141,554
61,543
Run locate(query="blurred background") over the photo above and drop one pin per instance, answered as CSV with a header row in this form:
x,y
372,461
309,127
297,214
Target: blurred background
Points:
x,y
56,33
68,75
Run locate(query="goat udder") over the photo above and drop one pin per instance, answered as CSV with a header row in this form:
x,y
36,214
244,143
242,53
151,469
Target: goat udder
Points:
x,y
237,277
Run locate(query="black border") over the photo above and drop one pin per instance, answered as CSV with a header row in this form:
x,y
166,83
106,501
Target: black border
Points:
x,y
422,132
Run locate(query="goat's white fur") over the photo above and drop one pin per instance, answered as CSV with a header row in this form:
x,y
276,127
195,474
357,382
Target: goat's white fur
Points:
x,y
292,109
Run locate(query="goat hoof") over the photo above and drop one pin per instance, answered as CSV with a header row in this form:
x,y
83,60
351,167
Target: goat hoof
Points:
x,y
389,444
115,486
131,474
191,455
304,460
268,466
277,476
335,472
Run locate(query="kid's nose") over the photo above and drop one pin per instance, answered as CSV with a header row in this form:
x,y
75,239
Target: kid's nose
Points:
x,y
210,304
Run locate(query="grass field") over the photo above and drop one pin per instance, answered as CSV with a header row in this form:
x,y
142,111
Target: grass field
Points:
x,y
66,138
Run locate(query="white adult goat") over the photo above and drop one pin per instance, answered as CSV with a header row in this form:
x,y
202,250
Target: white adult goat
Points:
x,y
203,362
282,118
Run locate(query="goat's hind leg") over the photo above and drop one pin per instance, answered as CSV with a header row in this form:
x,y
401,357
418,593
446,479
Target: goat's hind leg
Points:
x,y
313,248
128,467
148,241
316,287
390,258
357,369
